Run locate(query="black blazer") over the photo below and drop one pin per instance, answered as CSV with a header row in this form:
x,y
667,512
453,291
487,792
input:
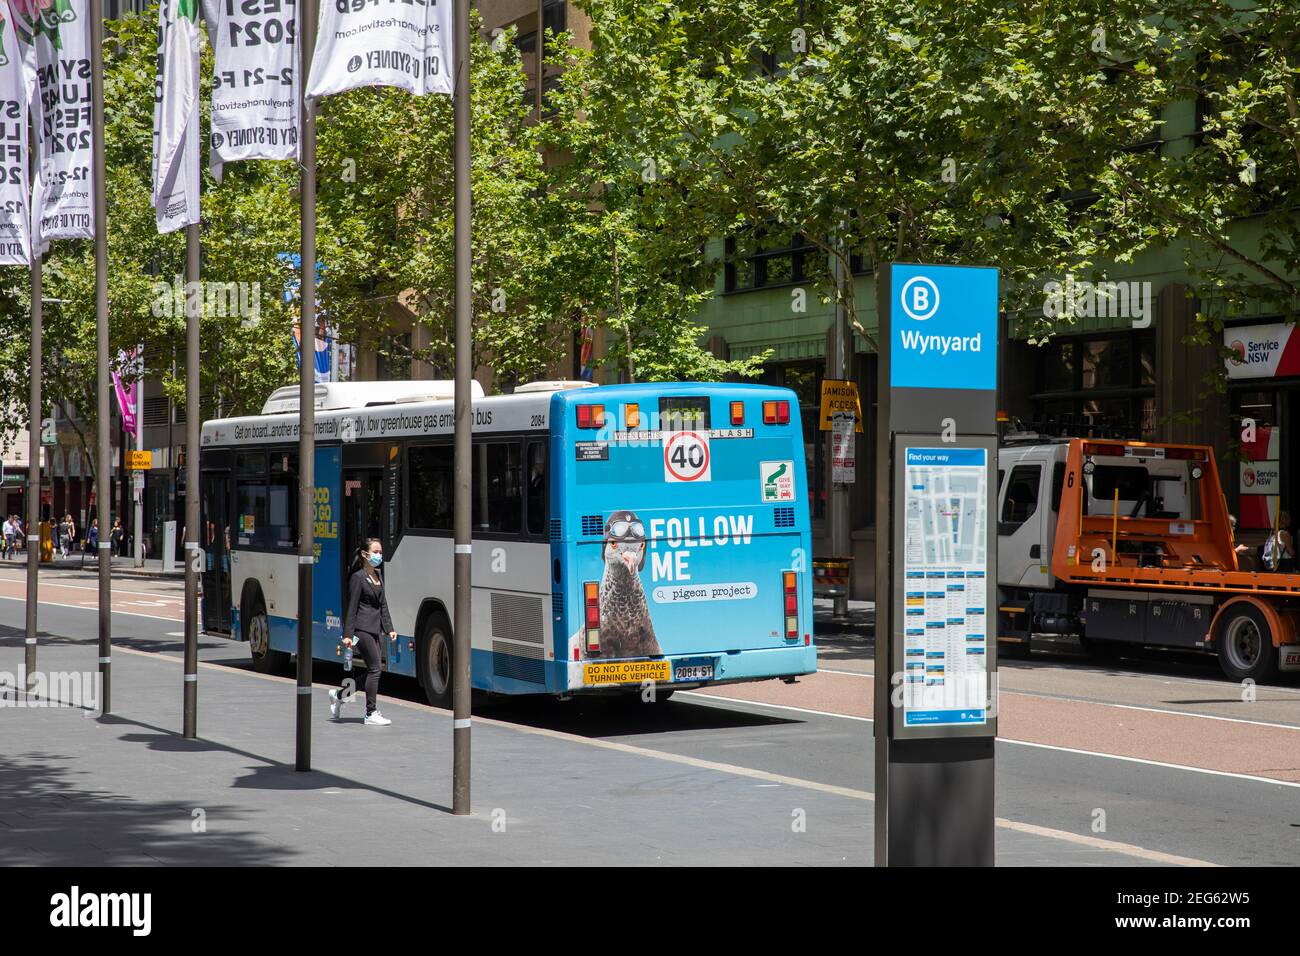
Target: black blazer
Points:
x,y
367,606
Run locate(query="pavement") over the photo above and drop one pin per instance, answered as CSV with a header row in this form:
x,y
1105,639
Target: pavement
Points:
x,y
1154,763
692,781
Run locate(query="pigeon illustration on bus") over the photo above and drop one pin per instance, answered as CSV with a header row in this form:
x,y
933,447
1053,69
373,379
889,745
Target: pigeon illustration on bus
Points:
x,y
625,626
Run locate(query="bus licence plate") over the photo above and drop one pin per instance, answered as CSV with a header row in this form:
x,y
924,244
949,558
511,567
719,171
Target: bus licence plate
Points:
x,y
625,672
693,672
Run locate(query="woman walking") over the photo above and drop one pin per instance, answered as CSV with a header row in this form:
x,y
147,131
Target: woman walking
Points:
x,y
367,619
66,532
115,535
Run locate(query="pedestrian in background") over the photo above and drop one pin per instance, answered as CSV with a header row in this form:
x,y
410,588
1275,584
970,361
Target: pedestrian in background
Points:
x,y
65,535
9,533
115,535
367,618
1279,549
92,536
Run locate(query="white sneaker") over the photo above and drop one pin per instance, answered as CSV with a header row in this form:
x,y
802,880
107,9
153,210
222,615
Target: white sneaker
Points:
x,y
336,705
377,720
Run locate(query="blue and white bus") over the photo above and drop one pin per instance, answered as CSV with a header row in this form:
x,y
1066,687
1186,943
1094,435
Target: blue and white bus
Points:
x,y
622,533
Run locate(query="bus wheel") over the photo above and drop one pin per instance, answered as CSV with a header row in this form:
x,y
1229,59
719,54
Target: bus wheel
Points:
x,y
435,663
257,631
1245,644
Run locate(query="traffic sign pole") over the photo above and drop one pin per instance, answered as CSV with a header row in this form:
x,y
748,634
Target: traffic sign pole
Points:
x,y
936,565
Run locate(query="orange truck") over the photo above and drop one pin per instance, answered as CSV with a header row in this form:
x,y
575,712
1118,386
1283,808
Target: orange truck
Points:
x,y
1126,544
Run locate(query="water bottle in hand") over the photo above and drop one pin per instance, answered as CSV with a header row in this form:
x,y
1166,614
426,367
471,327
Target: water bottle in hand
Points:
x,y
347,657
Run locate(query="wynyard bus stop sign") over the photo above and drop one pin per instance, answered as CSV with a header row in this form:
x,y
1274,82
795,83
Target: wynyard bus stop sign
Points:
x,y
936,568
943,346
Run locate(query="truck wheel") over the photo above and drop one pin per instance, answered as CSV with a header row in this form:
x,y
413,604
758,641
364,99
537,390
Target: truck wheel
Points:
x,y
1245,644
435,662
257,631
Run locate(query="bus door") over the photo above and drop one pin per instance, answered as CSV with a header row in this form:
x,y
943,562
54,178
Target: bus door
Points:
x,y
215,503
363,513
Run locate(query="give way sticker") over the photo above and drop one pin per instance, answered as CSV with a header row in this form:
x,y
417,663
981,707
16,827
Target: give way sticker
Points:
x,y
686,457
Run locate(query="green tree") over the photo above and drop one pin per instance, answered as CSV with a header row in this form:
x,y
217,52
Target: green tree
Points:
x,y
886,130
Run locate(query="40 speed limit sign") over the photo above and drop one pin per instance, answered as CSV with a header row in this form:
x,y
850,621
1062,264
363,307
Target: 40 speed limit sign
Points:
x,y
686,457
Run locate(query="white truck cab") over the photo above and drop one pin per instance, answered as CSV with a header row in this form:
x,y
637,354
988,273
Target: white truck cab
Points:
x,y
1031,472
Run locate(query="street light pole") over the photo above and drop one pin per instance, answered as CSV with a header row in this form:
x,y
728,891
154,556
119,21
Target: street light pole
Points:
x,y
103,454
460,693
307,12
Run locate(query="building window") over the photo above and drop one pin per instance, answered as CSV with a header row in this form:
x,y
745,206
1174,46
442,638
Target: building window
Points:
x,y
555,17
1103,386
767,261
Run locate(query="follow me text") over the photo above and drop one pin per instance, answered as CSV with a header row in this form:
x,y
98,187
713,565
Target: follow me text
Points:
x,y
680,534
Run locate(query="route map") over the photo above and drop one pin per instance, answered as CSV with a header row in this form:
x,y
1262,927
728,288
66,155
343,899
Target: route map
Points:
x,y
945,569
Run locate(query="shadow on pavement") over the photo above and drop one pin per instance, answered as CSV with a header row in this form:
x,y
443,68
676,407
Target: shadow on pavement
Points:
x,y
265,773
54,816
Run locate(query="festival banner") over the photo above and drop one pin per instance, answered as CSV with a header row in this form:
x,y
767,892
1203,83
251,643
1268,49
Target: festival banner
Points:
x,y
63,201
255,81
15,222
402,43
176,116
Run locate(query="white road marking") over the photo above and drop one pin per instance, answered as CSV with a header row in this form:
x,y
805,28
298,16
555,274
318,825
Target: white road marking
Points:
x,y
1155,763
1029,743
1108,703
84,587
799,710
1154,710
94,606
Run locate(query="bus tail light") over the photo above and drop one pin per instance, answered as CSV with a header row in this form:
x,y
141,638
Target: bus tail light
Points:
x,y
591,608
737,413
591,416
790,589
631,416
776,413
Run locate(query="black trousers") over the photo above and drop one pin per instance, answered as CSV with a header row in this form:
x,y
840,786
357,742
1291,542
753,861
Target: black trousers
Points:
x,y
368,645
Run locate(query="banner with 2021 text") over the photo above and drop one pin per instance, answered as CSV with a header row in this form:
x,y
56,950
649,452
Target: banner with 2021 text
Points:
x,y
401,43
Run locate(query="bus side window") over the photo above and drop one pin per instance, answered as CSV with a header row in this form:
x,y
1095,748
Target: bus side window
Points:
x,y
498,499
536,487
429,480
251,505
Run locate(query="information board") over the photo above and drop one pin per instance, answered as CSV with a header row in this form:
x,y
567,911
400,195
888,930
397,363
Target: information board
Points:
x,y
945,629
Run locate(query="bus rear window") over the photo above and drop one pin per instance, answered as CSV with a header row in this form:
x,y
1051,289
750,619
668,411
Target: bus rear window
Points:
x,y
683,414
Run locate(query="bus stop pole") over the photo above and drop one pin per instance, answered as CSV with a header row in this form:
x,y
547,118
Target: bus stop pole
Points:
x,y
464,368
306,386
34,476
193,417
104,451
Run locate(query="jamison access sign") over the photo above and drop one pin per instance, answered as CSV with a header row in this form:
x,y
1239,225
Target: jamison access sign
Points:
x,y
944,327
